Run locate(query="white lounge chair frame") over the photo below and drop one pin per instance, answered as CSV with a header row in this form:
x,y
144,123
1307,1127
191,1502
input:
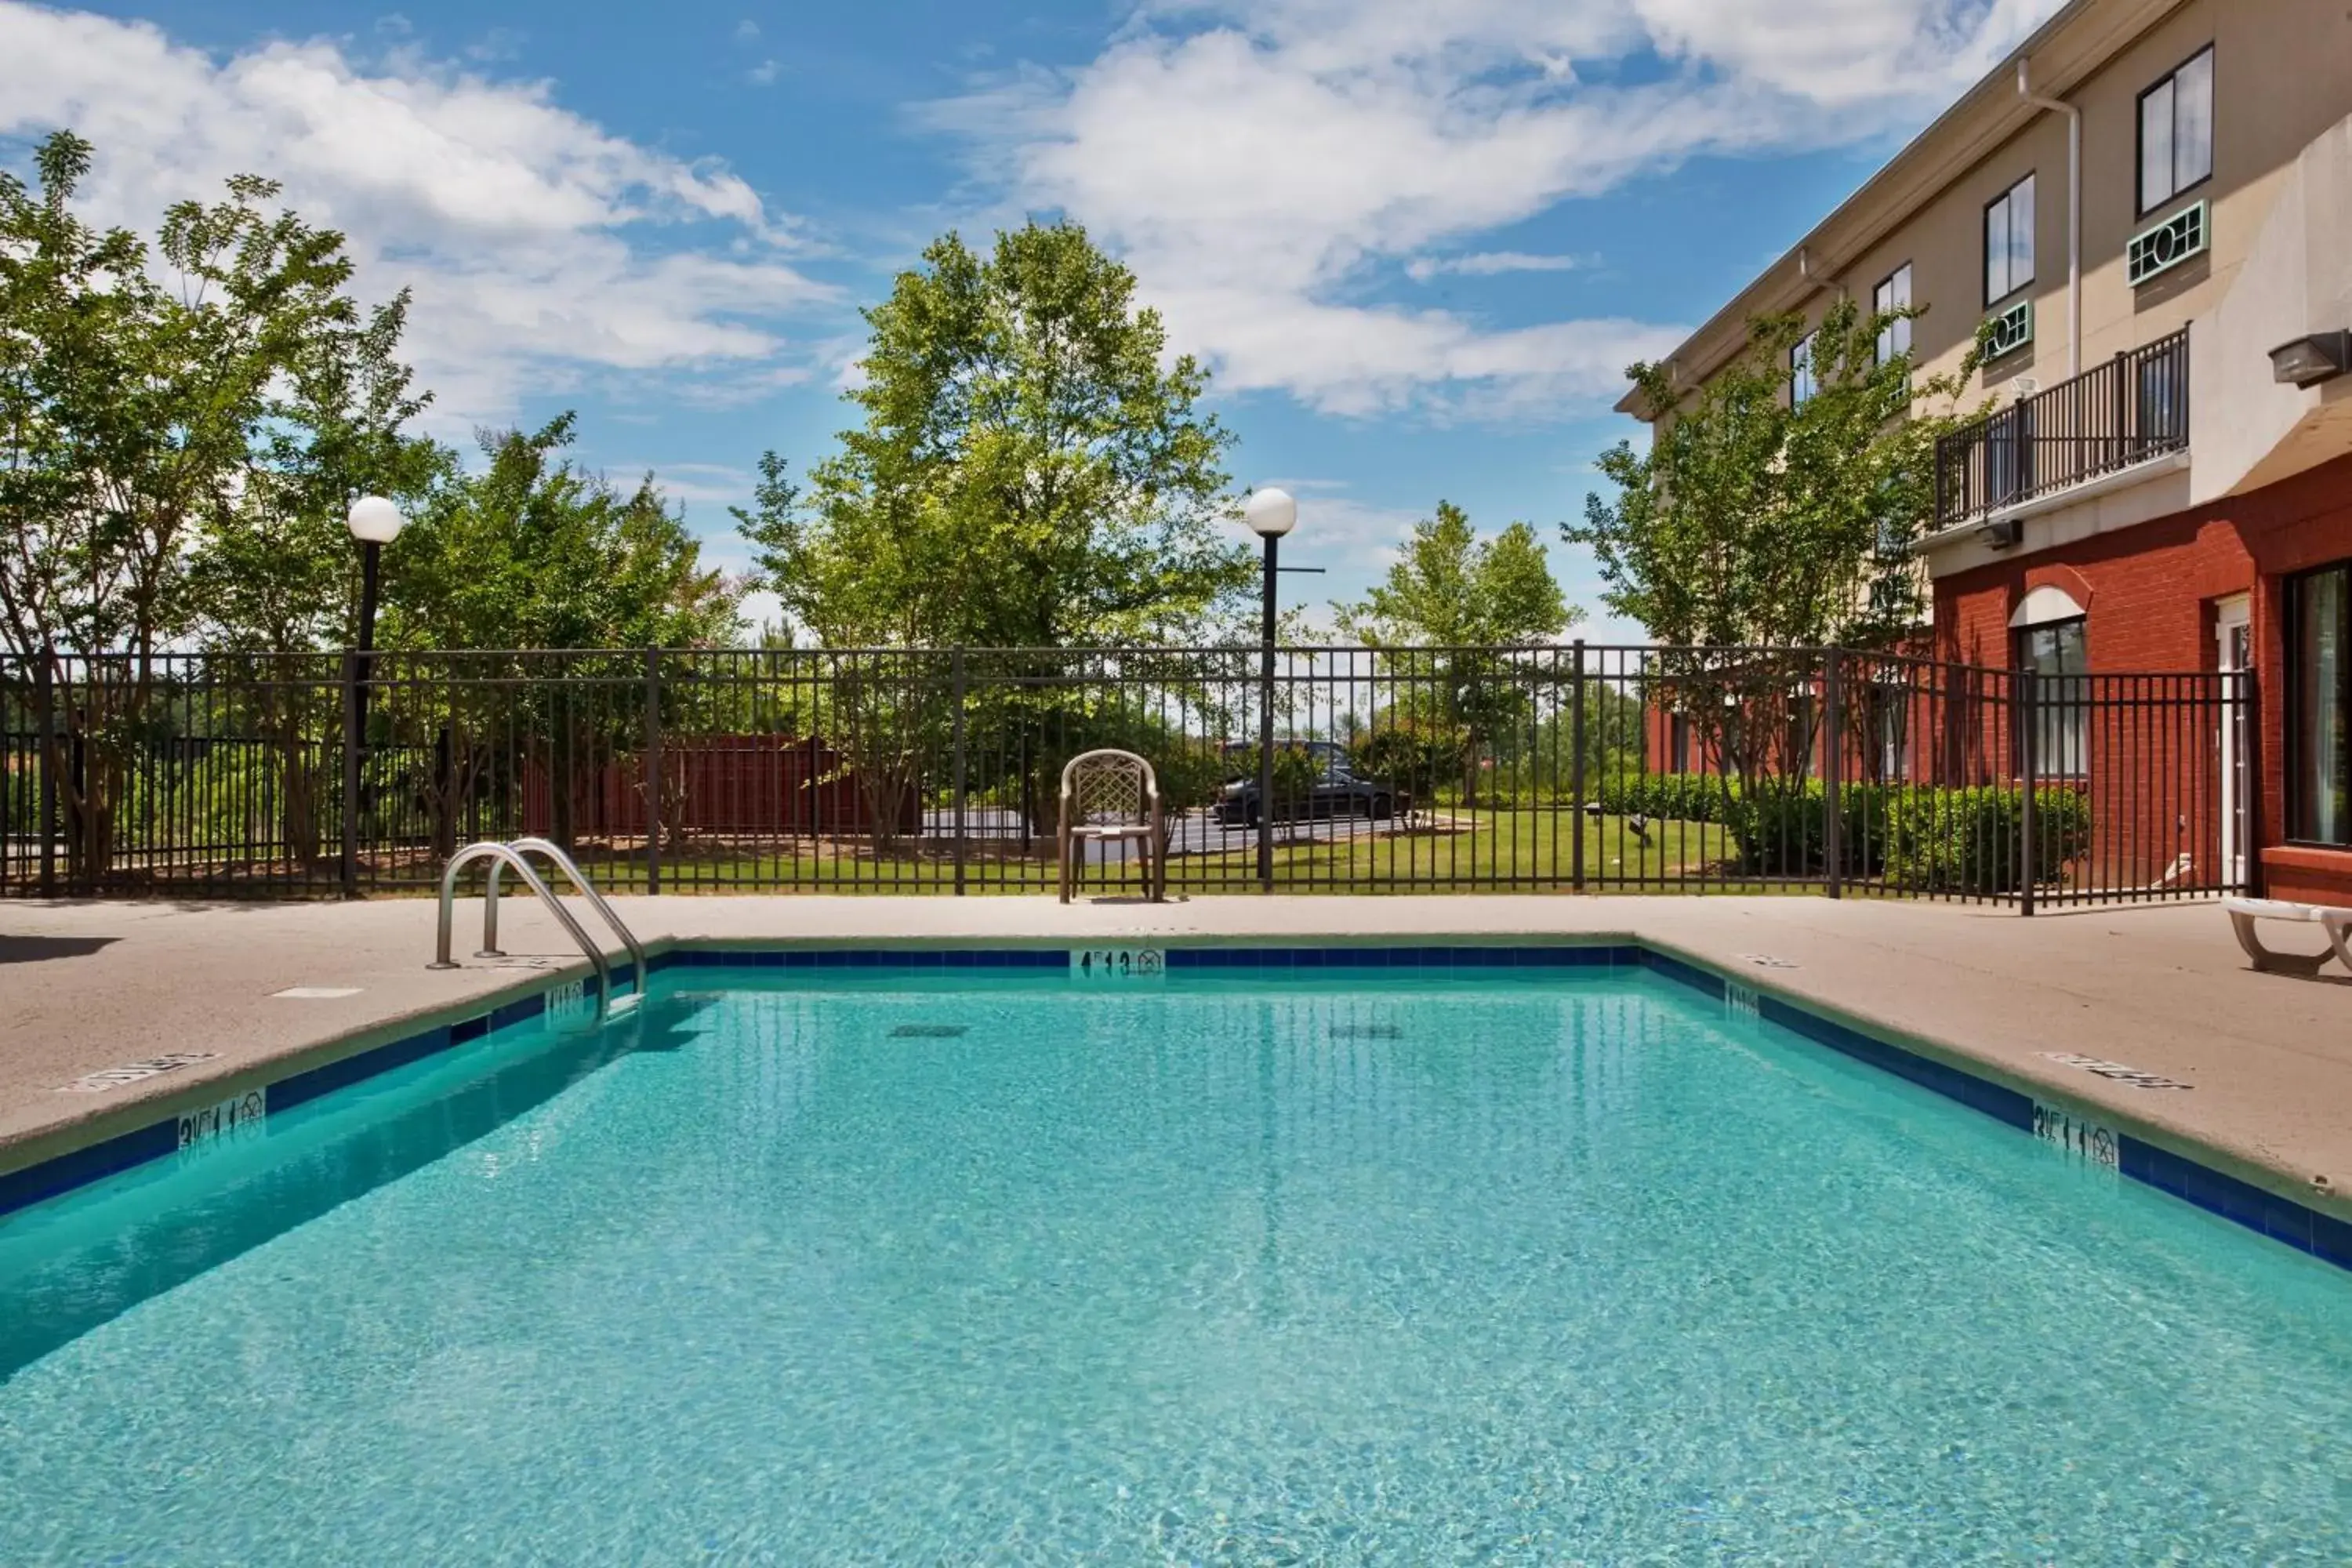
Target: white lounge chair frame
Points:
x,y
1109,795
2337,923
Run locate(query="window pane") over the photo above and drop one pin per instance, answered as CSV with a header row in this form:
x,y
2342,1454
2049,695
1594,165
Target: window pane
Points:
x,y
1893,295
1996,250
2021,233
2156,181
1800,371
2192,121
1891,702
2059,655
2322,812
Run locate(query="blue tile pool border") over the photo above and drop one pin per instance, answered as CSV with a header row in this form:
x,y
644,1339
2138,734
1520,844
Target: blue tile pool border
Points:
x,y
2257,1209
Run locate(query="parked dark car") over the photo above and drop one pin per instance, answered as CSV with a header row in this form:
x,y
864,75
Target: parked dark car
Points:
x,y
1337,792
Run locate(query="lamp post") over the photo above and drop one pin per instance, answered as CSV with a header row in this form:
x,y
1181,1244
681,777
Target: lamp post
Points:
x,y
1270,513
374,523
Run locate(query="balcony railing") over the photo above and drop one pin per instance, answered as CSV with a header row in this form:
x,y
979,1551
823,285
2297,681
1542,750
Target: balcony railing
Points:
x,y
2127,411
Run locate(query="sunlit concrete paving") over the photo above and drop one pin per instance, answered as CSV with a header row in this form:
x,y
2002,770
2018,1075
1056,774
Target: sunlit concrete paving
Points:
x,y
88,986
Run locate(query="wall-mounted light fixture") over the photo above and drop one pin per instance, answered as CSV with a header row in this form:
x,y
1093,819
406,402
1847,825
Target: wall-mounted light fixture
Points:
x,y
2308,360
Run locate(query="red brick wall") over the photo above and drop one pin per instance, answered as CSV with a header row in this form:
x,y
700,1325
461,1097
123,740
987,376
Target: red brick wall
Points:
x,y
2149,593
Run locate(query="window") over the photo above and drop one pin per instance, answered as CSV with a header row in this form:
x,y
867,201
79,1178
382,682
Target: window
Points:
x,y
2055,652
2176,132
2318,697
1893,295
1801,382
1678,744
1890,727
2009,241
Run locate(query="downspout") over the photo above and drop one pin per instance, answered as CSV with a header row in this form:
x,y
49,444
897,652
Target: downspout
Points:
x,y
2074,216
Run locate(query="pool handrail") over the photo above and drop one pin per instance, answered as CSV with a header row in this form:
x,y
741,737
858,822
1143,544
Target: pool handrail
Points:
x,y
501,855
571,869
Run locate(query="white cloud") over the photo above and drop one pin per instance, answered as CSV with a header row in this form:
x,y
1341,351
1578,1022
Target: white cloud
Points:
x,y
542,248
696,484
747,29
763,74
1251,162
1490,264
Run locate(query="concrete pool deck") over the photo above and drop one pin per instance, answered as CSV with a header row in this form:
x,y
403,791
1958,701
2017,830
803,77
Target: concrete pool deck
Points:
x,y
86,986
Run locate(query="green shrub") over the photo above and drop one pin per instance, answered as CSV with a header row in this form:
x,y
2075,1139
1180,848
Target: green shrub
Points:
x,y
1413,755
1678,798
1967,840
1919,838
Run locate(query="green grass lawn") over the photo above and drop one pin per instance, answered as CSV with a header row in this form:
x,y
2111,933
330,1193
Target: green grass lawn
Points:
x,y
1528,849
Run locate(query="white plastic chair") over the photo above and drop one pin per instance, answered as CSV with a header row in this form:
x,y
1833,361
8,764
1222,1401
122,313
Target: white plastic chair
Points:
x,y
1109,795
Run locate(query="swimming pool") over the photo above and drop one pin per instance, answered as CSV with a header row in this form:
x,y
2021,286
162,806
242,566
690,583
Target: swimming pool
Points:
x,y
1358,1265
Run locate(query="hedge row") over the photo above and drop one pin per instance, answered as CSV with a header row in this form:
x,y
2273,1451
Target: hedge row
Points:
x,y
1916,837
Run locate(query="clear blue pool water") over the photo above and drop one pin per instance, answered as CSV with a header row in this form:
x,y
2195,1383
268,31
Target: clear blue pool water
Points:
x,y
1359,1270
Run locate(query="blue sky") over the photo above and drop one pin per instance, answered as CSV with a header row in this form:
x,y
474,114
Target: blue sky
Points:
x,y
1416,242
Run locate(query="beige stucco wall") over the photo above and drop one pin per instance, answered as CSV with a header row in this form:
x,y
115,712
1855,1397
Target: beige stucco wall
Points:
x,y
2296,278
2283,76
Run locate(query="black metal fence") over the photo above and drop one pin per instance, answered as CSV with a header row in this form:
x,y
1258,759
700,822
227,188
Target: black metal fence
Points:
x,y
1558,768
2127,411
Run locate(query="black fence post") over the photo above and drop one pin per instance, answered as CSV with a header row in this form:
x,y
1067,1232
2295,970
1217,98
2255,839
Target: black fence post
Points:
x,y
2249,720
2029,861
652,775
956,670
815,800
1576,773
1833,773
45,705
350,774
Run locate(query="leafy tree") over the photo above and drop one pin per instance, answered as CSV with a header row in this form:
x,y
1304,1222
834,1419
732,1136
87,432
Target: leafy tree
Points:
x,y
140,395
1451,609
1760,520
1033,470
1760,526
274,573
1409,751
536,552
75,302
276,569
137,409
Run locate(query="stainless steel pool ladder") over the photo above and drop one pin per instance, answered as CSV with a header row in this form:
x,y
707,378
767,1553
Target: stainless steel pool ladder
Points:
x,y
515,854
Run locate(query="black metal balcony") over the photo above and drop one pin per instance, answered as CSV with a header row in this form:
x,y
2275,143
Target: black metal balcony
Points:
x,y
2127,411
